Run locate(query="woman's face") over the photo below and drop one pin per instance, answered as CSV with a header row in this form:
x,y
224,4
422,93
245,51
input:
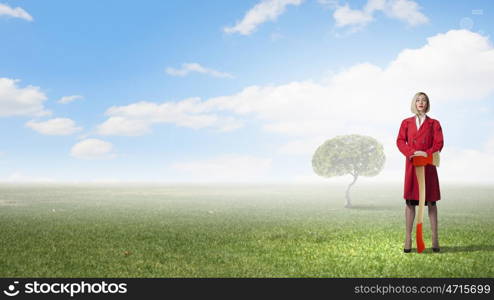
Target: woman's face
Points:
x,y
421,104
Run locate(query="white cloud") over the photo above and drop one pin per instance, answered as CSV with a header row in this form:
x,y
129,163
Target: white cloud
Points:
x,y
57,126
137,118
92,149
68,99
266,10
345,16
467,165
17,12
16,101
489,146
195,67
329,3
404,10
451,67
19,177
225,168
123,126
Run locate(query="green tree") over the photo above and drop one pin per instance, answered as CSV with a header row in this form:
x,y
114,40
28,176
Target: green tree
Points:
x,y
354,154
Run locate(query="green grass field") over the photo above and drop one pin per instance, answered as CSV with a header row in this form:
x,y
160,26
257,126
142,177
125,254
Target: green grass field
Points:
x,y
236,231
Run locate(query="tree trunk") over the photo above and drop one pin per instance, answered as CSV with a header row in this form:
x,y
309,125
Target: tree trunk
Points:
x,y
348,203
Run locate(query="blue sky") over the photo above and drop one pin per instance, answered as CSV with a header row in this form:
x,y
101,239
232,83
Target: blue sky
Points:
x,y
268,81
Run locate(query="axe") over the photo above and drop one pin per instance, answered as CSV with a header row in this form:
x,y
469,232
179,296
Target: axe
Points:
x,y
420,162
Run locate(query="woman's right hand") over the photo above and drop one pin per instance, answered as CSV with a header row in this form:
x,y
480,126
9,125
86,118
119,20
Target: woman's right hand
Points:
x,y
419,153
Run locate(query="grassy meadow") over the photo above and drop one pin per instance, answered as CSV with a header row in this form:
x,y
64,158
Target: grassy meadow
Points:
x,y
236,231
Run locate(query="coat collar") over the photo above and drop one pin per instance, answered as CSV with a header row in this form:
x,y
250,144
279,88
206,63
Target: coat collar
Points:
x,y
426,122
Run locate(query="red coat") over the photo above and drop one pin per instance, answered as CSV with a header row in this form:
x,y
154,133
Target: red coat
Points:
x,y
429,138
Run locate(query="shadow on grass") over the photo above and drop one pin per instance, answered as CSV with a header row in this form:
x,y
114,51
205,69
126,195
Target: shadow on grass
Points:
x,y
372,207
467,248
457,249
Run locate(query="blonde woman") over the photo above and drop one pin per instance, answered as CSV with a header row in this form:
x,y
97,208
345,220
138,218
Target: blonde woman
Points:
x,y
420,135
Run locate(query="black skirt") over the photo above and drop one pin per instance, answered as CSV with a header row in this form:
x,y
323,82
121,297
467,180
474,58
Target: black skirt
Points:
x,y
416,202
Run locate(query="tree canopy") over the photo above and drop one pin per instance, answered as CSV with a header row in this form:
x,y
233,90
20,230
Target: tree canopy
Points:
x,y
354,154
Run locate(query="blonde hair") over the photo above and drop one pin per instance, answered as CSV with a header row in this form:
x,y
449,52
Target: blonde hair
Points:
x,y
414,99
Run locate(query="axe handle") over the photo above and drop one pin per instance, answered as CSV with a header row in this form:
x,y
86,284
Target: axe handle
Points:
x,y
419,170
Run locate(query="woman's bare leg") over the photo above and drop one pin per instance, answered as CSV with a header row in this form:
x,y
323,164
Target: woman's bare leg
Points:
x,y
433,221
409,217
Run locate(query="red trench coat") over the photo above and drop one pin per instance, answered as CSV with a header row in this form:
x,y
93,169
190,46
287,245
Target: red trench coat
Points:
x,y
429,138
